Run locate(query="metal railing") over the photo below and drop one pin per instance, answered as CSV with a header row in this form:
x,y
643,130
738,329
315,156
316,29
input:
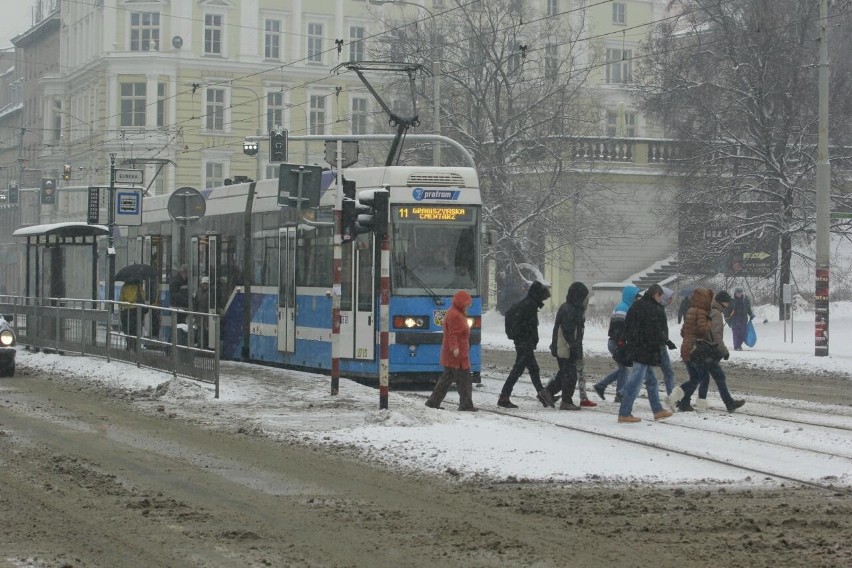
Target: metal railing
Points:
x,y
183,343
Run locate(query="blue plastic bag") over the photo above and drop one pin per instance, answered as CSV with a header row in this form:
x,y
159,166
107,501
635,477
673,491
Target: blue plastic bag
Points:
x,y
751,335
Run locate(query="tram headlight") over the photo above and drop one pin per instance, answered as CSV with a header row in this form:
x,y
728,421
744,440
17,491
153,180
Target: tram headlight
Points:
x,y
410,322
7,338
474,322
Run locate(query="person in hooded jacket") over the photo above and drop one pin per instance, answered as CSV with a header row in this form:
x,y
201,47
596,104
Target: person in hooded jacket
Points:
x,y
716,336
737,315
526,340
646,333
455,355
567,345
665,360
616,339
696,325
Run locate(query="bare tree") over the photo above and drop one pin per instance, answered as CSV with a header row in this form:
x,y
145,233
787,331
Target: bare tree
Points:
x,y
737,80
513,90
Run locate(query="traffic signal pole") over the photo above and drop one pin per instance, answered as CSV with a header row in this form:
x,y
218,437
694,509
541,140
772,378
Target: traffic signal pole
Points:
x,y
336,281
823,196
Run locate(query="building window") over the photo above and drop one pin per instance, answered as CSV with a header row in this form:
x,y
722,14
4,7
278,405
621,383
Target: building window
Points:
x,y
215,110
625,130
551,61
144,31
356,43
213,34
619,67
161,104
516,58
132,104
317,116
272,40
274,110
438,3
214,174
359,115
552,7
619,11
315,43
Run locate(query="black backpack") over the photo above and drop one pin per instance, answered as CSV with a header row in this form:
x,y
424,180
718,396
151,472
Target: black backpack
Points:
x,y
510,322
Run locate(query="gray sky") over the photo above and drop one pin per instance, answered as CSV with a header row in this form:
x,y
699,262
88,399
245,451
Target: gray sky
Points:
x,y
14,19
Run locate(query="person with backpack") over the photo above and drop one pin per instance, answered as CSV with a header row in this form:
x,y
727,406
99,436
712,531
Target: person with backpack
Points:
x,y
567,345
616,345
522,328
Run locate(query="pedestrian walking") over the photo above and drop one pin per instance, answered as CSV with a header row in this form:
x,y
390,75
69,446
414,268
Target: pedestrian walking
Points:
x,y
522,327
684,304
665,360
455,355
179,291
131,295
712,366
615,344
645,333
737,315
696,326
567,346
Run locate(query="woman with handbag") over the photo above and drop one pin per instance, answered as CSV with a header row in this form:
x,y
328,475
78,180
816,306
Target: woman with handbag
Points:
x,y
704,346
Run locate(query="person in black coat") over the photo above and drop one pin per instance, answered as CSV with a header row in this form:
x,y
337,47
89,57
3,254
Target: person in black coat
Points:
x,y
567,345
179,291
525,337
646,333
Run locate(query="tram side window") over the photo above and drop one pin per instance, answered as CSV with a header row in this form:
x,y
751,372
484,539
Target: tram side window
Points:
x,y
266,261
313,257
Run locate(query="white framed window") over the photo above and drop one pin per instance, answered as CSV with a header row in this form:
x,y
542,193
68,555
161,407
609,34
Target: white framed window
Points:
x,y
272,38
356,42
314,46
161,104
213,28
317,114
214,174
552,7
214,109
144,31
272,171
551,60
274,110
516,57
619,66
619,14
359,115
437,3
132,104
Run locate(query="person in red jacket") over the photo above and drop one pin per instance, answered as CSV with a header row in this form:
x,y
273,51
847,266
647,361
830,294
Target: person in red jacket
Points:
x,y
455,355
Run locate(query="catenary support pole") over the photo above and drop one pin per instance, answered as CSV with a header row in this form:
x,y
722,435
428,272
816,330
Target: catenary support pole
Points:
x,y
384,318
336,262
823,192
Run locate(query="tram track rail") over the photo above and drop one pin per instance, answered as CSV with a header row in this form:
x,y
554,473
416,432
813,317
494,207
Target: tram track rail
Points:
x,y
673,449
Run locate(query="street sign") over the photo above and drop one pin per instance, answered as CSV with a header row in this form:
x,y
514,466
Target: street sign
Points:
x,y
186,205
128,207
128,177
289,178
350,153
94,216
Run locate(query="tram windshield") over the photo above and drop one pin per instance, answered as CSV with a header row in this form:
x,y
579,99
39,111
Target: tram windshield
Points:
x,y
435,249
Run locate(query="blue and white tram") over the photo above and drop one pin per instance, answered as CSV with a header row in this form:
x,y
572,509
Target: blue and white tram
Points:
x,y
435,230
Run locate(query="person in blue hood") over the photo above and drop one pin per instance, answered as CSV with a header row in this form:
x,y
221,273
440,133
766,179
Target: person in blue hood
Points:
x,y
615,344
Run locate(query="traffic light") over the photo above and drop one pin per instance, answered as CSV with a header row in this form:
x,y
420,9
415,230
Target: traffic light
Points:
x,y
277,146
351,229
48,191
12,195
375,216
66,172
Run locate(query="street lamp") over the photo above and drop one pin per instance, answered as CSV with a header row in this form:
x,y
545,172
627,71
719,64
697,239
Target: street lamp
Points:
x,y
436,72
289,106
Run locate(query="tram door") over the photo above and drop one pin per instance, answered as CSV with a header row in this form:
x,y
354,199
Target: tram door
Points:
x,y
287,289
358,292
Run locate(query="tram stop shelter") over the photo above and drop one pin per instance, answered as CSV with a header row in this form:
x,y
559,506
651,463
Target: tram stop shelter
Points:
x,y
60,258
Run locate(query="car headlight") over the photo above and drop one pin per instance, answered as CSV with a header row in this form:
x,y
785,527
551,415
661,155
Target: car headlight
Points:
x,y
7,338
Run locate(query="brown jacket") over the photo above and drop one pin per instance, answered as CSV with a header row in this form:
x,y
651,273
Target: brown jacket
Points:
x,y
696,322
717,326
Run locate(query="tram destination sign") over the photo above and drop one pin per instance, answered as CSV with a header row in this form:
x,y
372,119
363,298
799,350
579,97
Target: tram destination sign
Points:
x,y
437,213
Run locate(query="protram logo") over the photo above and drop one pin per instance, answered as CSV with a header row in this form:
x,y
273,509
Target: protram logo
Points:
x,y
421,194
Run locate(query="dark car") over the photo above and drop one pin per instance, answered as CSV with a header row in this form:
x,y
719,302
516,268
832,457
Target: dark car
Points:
x,y
7,347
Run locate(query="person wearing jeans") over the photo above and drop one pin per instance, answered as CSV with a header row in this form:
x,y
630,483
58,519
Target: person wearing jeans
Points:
x,y
616,333
646,333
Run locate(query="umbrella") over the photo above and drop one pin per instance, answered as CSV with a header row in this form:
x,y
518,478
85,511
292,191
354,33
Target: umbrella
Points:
x,y
136,273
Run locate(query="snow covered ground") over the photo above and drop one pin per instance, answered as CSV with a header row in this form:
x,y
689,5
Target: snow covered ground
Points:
x,y
781,439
